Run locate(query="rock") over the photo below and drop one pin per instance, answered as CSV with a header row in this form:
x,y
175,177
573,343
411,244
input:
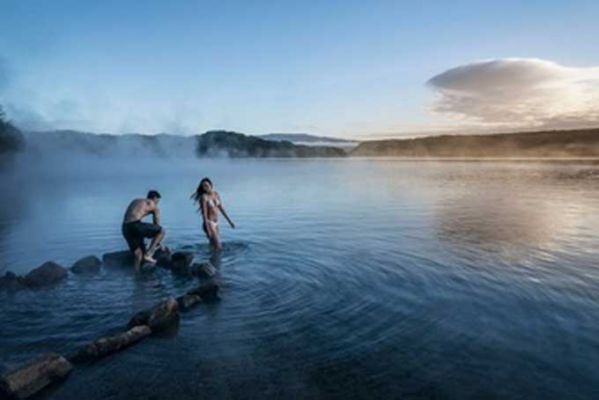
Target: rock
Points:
x,y
118,259
147,268
11,281
203,269
47,274
207,291
158,317
163,258
188,300
111,344
124,259
29,379
181,262
87,265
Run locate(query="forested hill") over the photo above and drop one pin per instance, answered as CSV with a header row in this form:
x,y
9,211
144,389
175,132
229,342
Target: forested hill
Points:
x,y
210,144
233,144
545,144
11,140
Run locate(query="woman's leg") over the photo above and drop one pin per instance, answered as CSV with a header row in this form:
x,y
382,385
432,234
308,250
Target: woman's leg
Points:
x,y
213,235
217,242
206,228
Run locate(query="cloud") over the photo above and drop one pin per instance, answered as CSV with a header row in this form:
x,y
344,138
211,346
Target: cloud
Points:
x,y
519,93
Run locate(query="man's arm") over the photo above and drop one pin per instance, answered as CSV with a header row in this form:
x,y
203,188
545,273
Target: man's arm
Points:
x,y
156,215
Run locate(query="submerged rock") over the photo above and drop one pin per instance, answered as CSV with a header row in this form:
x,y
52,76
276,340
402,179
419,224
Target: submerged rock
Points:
x,y
203,269
47,274
87,265
118,259
207,291
111,344
188,300
11,281
30,378
158,317
181,262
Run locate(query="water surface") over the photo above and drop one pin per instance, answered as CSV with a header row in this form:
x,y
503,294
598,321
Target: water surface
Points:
x,y
347,279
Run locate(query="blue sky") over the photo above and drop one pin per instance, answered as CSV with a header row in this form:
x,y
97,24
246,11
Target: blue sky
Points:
x,y
340,68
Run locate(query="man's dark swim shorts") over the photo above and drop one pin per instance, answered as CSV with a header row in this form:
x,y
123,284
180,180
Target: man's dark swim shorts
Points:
x,y
135,232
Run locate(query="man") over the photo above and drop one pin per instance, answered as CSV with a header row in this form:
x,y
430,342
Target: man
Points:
x,y
135,231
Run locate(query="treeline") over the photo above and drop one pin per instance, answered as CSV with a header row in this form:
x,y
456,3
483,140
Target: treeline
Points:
x,y
60,143
233,144
547,144
11,138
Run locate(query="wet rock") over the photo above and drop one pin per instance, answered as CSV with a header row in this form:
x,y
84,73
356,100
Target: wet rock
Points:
x,y
181,263
11,281
207,291
30,378
87,265
203,269
125,260
47,274
170,331
111,344
118,259
163,258
187,301
147,268
158,317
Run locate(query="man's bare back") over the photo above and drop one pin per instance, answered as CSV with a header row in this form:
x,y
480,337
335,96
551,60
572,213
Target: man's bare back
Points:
x,y
135,231
138,209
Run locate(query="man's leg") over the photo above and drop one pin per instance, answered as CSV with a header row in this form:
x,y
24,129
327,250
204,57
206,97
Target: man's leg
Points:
x,y
135,243
155,243
138,256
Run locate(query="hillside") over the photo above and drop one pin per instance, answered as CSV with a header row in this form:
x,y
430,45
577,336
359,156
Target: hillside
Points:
x,y
55,143
11,142
304,138
11,138
61,143
570,143
233,144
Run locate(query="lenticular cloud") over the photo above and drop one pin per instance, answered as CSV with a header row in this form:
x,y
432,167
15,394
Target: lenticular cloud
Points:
x,y
519,92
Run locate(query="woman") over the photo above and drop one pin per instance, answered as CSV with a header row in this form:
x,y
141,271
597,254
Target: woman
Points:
x,y
209,205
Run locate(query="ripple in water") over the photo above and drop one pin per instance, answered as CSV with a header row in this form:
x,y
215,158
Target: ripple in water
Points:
x,y
345,279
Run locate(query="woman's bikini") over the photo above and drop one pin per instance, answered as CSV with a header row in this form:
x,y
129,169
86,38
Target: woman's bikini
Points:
x,y
213,203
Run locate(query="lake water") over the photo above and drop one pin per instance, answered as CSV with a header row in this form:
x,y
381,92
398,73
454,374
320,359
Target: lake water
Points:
x,y
349,279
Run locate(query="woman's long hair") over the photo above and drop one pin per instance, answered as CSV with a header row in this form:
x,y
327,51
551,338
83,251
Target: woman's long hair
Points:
x,y
197,195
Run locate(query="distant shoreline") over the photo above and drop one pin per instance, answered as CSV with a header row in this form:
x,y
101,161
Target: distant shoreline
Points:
x,y
567,145
582,143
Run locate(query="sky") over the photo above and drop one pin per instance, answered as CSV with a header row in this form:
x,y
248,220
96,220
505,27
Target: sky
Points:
x,y
349,69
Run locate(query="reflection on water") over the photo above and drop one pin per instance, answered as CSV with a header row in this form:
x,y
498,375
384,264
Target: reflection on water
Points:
x,y
501,215
345,279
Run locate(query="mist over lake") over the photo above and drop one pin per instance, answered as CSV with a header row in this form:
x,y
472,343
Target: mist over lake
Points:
x,y
299,200
345,278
